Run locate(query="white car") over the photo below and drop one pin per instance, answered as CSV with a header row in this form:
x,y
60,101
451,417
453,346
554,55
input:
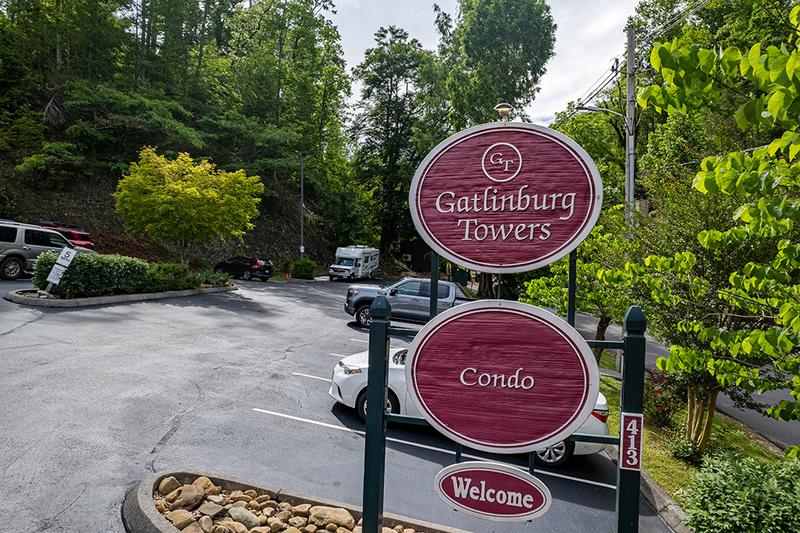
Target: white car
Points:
x,y
349,387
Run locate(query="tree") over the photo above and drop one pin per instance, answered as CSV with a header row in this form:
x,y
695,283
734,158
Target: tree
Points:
x,y
386,155
738,324
186,205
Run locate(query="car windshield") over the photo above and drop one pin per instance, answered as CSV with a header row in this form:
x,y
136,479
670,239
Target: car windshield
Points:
x,y
344,262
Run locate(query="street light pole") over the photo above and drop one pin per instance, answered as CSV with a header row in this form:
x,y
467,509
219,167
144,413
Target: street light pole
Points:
x,y
302,203
630,121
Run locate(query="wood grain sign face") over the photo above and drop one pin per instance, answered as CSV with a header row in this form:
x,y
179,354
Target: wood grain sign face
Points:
x,y
505,197
502,376
493,491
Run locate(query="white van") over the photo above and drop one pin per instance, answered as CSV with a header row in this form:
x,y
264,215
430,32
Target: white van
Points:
x,y
353,262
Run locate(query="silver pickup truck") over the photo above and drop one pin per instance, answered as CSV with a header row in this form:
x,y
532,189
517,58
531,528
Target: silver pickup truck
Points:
x,y
409,298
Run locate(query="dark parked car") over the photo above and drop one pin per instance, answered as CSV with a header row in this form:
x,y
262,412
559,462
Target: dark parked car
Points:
x,y
246,268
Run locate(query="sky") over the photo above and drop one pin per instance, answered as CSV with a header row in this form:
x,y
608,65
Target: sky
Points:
x,y
590,33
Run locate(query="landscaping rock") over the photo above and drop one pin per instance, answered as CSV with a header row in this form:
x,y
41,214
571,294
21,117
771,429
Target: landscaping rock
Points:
x,y
180,518
284,515
331,527
194,527
167,485
206,523
189,498
243,516
241,498
294,530
260,530
310,528
215,498
210,509
322,516
207,485
301,510
297,521
268,511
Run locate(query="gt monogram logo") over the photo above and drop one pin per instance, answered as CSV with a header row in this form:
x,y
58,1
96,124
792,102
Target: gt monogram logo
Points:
x,y
501,162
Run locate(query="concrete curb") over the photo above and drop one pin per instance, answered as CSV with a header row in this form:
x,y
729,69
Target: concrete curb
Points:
x,y
139,514
13,296
668,510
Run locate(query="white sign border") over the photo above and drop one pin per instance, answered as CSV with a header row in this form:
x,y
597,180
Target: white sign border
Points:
x,y
497,467
558,323
583,158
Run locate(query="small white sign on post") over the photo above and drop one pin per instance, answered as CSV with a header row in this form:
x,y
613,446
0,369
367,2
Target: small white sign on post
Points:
x,y
66,256
64,259
55,274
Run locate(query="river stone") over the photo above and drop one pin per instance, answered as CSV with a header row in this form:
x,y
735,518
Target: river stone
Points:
x,y
240,505
207,485
284,515
298,521
291,529
221,528
180,518
321,515
342,530
263,498
241,498
189,498
284,505
310,528
216,498
259,530
161,506
409,530
210,508
251,493
331,527
167,485
275,526
194,527
301,510
268,511
263,519
244,516
398,528
206,524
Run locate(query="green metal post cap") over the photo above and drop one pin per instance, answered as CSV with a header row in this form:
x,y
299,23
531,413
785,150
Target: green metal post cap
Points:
x,y
380,308
635,321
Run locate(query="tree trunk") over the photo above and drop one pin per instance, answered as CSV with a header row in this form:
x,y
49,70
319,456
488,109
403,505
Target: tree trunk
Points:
x,y
600,334
485,289
689,412
711,407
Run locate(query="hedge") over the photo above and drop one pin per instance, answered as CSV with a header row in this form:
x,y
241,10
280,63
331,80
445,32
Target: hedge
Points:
x,y
105,274
734,494
303,269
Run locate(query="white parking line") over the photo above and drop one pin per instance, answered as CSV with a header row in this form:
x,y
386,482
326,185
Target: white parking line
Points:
x,y
423,446
337,355
311,377
360,340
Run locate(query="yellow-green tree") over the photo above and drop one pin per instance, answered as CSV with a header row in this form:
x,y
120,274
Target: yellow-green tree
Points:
x,y
184,205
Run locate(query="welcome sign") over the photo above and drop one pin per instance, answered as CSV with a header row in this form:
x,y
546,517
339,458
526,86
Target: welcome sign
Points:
x,y
505,197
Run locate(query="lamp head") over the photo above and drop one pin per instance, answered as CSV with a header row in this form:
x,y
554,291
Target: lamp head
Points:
x,y
504,109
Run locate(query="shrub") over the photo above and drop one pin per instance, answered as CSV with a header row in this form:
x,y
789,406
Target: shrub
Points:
x,y
733,494
683,448
8,206
55,165
209,277
94,275
170,277
663,398
303,269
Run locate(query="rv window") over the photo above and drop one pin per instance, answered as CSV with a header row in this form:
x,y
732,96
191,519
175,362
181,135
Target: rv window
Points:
x,y
344,262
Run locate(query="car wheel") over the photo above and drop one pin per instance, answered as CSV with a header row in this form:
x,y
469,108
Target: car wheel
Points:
x,y
557,454
392,404
12,268
247,275
363,316
331,278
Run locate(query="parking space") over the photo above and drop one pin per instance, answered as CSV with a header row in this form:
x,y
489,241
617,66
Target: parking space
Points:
x,y
236,383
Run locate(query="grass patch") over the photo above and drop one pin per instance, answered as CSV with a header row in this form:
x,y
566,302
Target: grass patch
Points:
x,y
670,473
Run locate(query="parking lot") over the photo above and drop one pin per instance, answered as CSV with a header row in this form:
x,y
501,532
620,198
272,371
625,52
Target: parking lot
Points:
x,y
236,383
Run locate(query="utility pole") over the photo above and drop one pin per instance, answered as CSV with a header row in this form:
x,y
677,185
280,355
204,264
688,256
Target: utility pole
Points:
x,y
630,122
302,203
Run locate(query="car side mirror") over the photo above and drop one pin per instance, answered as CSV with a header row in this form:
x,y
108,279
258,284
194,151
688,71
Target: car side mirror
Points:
x,y
392,292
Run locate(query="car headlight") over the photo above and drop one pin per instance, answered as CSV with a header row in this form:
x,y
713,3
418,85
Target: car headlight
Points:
x,y
348,369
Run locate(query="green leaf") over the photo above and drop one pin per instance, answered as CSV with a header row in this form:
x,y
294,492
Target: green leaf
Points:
x,y
775,104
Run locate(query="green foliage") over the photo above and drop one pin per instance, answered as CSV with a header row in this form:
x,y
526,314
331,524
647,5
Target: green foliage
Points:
x,y
169,277
102,275
684,448
303,269
664,396
55,165
94,275
186,205
734,494
8,205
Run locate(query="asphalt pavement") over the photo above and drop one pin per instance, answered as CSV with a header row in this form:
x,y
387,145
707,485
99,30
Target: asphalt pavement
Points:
x,y
94,399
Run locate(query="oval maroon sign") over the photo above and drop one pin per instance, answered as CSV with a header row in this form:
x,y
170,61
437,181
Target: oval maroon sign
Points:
x,y
505,197
502,376
493,491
